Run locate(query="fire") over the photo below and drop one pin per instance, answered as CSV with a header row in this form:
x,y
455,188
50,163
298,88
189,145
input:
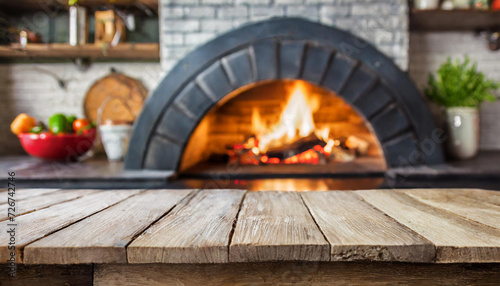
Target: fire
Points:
x,y
296,121
294,138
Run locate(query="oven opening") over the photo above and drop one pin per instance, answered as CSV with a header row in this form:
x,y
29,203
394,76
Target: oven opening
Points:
x,y
280,128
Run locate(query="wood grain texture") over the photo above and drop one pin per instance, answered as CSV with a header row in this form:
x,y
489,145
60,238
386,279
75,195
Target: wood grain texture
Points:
x,y
296,273
138,51
358,231
22,194
35,225
102,237
440,20
48,275
469,206
207,226
129,94
484,196
195,231
44,200
489,196
456,238
275,226
36,5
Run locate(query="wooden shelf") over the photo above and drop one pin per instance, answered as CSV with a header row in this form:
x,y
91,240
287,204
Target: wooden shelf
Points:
x,y
49,5
136,51
454,20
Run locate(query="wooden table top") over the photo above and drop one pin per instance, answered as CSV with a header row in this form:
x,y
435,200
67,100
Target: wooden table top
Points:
x,y
220,226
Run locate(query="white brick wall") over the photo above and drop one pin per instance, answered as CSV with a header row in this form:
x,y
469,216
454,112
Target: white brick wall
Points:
x,y
381,22
429,50
31,89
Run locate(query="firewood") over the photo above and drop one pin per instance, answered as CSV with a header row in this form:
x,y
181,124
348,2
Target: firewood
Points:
x,y
358,144
296,147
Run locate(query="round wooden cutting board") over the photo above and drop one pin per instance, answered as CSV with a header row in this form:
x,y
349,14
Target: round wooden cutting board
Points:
x,y
127,97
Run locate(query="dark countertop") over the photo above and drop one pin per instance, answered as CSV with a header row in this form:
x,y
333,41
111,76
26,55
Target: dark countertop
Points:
x,y
485,164
483,171
92,173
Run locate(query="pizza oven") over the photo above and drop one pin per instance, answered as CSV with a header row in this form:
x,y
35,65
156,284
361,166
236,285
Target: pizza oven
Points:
x,y
284,97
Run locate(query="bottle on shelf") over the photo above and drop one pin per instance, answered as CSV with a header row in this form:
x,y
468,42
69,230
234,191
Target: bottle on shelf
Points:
x,y
78,25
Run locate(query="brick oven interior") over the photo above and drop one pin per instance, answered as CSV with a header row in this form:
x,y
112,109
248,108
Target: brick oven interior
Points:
x,y
228,133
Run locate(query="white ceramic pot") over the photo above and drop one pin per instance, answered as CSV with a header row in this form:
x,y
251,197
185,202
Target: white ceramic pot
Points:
x,y
426,4
115,140
461,4
463,132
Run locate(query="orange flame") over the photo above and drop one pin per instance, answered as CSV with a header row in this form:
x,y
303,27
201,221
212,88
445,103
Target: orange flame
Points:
x,y
296,120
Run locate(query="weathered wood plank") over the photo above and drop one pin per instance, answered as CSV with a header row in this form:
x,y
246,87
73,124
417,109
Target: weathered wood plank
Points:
x,y
195,231
296,273
102,237
488,196
22,194
484,196
469,207
276,226
35,225
456,238
42,201
358,231
48,275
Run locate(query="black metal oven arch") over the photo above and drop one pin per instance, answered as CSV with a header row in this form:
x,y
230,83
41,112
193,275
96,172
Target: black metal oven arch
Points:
x,y
285,48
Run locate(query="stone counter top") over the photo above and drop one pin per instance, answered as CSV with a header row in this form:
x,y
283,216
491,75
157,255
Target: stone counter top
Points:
x,y
480,172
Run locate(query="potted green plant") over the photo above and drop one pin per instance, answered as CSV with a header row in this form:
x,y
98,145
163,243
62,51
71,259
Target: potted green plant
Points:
x,y
460,88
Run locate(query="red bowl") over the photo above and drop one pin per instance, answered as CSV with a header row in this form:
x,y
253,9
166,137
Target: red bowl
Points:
x,y
57,147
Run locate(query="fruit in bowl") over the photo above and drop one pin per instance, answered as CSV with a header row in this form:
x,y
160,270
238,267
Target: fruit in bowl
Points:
x,y
59,141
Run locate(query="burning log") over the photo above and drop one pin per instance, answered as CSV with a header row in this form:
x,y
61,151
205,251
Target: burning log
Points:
x,y
343,155
218,158
300,145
